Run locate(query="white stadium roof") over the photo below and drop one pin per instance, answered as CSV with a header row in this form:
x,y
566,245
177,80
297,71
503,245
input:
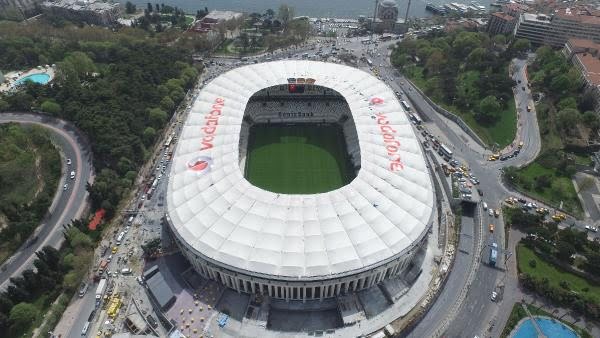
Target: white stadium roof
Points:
x,y
374,218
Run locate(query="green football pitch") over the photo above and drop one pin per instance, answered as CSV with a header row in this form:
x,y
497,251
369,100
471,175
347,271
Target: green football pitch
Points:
x,y
298,159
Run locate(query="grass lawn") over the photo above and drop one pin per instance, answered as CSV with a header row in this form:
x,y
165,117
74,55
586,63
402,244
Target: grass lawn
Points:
x,y
502,132
297,159
228,48
554,274
549,195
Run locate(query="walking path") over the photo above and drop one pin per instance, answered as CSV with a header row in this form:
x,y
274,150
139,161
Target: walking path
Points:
x,y
539,331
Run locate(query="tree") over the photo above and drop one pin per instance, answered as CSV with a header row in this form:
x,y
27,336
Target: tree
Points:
x,y
22,315
568,102
149,135
270,13
489,108
157,117
521,45
51,107
129,8
465,42
285,15
436,61
560,84
499,40
4,105
590,119
564,251
244,41
567,119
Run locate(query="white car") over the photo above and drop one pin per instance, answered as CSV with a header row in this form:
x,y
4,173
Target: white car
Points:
x,y
68,161
494,296
485,206
159,176
491,212
65,187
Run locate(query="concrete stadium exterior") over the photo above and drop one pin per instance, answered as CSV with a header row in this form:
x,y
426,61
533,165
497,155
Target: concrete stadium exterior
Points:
x,y
299,247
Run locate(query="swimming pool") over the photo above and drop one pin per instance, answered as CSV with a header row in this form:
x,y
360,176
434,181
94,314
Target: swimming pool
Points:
x,y
551,328
41,78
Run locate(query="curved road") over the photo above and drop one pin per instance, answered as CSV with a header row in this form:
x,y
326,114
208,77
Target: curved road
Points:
x,y
67,205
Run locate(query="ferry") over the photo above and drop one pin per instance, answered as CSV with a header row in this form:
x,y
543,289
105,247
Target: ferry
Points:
x,y
437,9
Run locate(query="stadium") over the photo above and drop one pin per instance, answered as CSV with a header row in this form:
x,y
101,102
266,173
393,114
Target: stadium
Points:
x,y
299,180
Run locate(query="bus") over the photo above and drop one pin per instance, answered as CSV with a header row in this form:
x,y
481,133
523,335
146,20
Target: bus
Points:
x,y
405,105
120,238
414,118
445,151
169,140
86,326
366,41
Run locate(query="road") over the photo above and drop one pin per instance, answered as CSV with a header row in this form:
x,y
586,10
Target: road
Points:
x,y
67,205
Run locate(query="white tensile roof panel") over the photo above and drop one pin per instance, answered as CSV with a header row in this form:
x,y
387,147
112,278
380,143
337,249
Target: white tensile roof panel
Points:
x,y
377,216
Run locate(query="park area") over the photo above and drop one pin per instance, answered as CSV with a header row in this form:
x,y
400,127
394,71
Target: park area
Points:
x,y
556,277
467,74
300,159
548,184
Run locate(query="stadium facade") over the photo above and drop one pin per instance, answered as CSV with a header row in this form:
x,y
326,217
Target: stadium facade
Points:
x,y
299,246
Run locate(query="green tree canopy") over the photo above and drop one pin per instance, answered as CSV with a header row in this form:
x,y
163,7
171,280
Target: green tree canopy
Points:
x,y
568,118
157,117
51,107
22,315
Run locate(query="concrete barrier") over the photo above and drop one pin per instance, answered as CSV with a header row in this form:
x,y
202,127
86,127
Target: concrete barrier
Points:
x,y
450,116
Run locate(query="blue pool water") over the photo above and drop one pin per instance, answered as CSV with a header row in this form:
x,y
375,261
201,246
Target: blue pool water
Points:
x,y
551,328
41,78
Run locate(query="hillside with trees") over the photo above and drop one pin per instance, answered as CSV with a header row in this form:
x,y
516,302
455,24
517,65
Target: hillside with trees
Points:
x,y
466,73
30,169
119,88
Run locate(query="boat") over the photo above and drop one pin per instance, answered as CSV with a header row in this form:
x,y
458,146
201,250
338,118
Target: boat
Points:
x,y
437,9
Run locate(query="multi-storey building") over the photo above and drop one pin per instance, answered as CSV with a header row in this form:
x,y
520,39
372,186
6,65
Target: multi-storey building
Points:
x,y
89,11
555,30
585,56
500,23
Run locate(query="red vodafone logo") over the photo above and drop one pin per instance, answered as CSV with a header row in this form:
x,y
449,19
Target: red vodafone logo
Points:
x,y
200,164
376,101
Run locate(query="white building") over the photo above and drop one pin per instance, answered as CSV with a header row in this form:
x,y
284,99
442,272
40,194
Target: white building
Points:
x,y
94,12
290,246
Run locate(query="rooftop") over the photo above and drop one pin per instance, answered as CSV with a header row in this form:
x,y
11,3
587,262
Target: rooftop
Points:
x,y
503,16
379,216
222,15
580,15
591,65
91,5
583,44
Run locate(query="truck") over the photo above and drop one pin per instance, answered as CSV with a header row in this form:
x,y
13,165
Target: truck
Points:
x,y
102,267
493,254
100,290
